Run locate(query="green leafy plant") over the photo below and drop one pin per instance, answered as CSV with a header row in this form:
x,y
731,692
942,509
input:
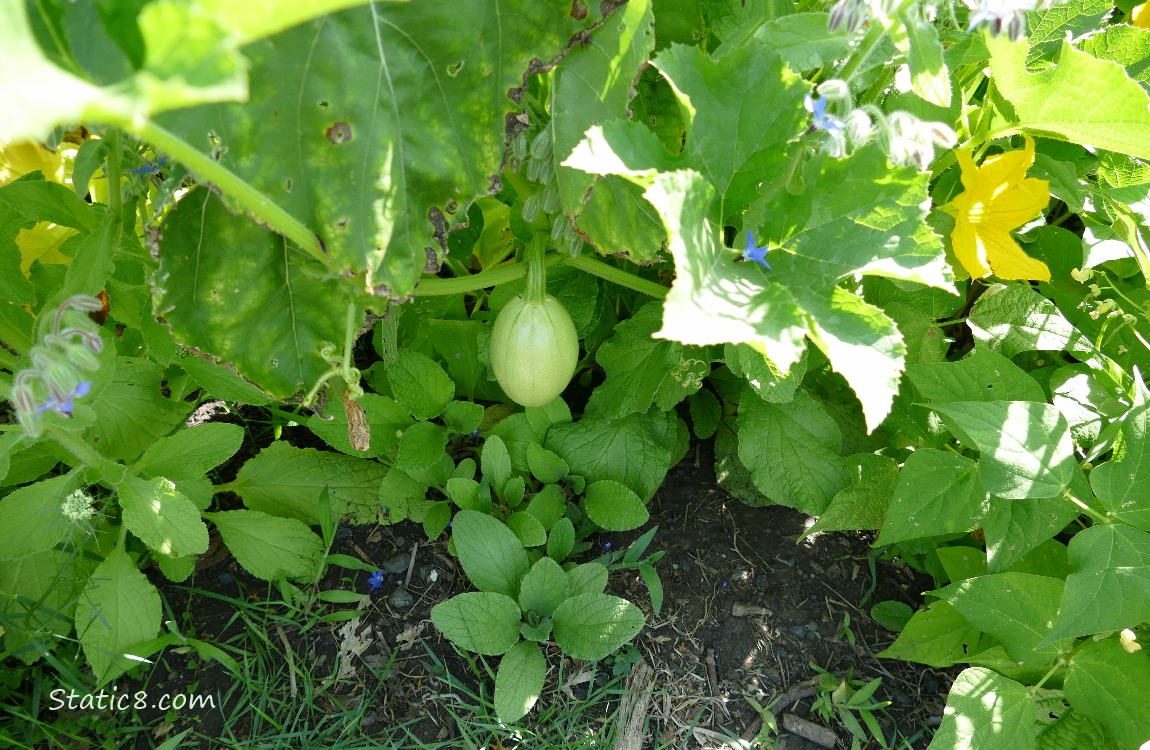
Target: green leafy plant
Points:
x,y
520,604
849,700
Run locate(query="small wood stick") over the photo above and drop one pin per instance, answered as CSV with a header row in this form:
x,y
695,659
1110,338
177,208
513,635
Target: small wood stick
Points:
x,y
713,679
411,565
809,730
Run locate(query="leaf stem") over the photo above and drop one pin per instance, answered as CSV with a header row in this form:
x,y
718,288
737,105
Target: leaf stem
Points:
x,y
111,471
262,208
434,287
349,329
617,276
115,193
1094,515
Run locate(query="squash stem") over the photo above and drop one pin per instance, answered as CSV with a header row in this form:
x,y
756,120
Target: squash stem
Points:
x,y
537,270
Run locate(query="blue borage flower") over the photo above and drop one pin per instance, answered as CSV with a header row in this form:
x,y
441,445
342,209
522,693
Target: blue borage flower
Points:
x,y
149,168
754,252
63,403
826,122
375,580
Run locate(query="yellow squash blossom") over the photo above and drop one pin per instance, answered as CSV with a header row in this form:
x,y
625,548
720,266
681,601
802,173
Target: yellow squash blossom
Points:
x,y
1140,16
998,199
42,242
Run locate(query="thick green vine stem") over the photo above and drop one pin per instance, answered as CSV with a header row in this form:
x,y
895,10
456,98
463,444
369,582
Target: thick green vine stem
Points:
x,y
536,271
115,199
618,276
206,169
507,274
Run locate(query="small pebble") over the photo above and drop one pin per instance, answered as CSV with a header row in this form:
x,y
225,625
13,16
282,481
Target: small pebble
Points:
x,y
400,599
343,532
396,563
226,578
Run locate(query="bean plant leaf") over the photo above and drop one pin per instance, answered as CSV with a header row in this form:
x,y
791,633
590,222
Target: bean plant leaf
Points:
x,y
1015,608
119,610
1110,586
792,451
986,710
937,636
1050,101
479,621
162,517
1073,729
287,481
490,553
1122,484
862,505
937,493
984,375
1027,451
591,626
1108,685
269,547
1015,318
365,148
230,287
519,681
1012,528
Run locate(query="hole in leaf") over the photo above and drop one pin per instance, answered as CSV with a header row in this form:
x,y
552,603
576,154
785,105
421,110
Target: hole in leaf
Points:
x,y
339,133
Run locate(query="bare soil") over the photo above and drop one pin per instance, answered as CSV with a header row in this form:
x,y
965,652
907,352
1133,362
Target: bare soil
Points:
x,y
748,611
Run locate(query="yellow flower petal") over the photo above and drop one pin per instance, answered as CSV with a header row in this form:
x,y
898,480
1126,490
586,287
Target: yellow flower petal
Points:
x,y
998,198
1002,172
1140,16
1022,204
1008,260
18,159
42,242
966,248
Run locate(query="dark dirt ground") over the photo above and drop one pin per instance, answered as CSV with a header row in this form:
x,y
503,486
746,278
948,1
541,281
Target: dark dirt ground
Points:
x,y
741,595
